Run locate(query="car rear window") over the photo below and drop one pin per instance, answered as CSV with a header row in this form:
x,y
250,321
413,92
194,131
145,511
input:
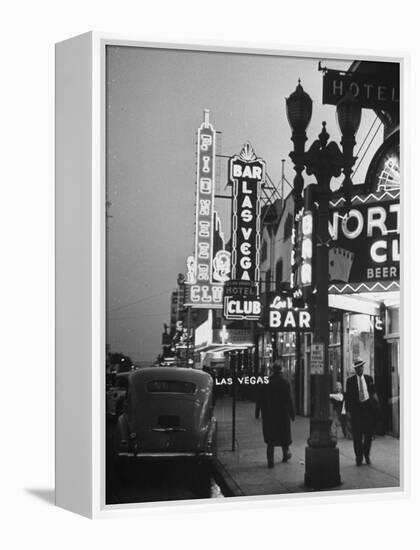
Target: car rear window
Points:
x,y
170,386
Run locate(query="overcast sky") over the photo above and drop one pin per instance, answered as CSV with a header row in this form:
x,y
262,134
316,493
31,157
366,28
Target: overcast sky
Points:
x,y
155,103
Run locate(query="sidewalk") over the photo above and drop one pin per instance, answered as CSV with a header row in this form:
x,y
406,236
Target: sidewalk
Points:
x,y
246,472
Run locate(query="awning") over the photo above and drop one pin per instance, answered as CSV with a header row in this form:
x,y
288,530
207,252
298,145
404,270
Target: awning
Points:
x,y
364,302
219,348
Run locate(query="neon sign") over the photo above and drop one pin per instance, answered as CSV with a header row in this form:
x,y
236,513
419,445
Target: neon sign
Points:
x,y
207,269
246,174
302,252
365,243
241,301
281,316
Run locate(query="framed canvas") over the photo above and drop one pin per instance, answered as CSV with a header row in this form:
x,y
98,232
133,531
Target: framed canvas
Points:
x,y
230,271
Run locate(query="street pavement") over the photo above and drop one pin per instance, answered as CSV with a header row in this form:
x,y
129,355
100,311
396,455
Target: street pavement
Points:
x,y
164,480
246,472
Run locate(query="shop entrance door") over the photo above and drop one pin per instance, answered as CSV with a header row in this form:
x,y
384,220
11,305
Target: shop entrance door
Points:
x,y
394,402
334,358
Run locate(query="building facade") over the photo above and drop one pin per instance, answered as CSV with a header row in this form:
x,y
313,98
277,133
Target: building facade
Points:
x,y
364,269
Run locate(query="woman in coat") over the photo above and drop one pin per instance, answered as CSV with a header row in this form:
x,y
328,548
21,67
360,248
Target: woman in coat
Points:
x,y
277,411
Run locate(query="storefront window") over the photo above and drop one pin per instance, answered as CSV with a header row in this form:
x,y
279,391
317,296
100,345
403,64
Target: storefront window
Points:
x,y
334,350
393,321
359,342
287,343
265,353
335,333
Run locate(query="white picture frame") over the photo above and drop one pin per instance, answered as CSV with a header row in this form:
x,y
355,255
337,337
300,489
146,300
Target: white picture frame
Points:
x,y
81,282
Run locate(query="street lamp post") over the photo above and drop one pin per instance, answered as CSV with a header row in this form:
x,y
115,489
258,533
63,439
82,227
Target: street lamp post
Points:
x,y
324,160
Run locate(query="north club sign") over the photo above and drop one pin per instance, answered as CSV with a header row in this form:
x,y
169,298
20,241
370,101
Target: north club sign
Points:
x,y
280,315
365,243
246,174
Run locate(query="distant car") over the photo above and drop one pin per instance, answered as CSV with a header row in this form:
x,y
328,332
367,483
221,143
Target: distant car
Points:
x,y
168,413
168,362
116,394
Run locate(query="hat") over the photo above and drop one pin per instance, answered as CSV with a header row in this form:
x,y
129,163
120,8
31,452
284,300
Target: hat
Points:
x,y
277,366
358,363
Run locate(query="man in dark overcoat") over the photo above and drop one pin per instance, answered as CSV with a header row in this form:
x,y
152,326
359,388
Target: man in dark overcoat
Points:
x,y
361,403
277,411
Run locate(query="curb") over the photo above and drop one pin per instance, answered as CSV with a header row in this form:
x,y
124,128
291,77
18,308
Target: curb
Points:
x,y
226,482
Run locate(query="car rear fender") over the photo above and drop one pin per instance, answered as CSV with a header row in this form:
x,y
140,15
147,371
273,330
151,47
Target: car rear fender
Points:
x,y
122,429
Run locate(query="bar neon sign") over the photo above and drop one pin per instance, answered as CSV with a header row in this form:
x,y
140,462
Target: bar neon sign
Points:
x,y
246,174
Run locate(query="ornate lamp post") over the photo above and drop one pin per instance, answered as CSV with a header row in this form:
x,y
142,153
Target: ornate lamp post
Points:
x,y
323,160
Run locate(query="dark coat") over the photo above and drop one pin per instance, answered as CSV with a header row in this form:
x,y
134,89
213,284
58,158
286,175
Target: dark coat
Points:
x,y
352,392
277,410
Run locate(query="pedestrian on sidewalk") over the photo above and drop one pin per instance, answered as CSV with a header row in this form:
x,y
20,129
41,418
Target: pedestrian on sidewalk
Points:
x,y
277,410
361,403
340,417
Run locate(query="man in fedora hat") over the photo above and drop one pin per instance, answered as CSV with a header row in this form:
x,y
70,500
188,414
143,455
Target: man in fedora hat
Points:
x,y
360,404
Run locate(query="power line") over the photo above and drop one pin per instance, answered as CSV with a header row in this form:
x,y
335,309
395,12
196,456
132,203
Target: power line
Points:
x,y
141,300
137,317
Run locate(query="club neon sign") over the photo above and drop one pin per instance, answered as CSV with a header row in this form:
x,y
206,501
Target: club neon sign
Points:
x,y
366,240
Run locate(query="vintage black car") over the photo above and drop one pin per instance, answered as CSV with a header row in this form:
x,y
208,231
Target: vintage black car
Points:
x,y
168,413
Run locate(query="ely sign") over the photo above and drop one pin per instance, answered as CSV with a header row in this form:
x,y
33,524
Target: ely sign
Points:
x,y
372,92
246,174
280,315
365,243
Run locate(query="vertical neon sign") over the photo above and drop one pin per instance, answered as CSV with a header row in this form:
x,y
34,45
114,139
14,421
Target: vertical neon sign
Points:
x,y
205,199
203,292
246,173
301,258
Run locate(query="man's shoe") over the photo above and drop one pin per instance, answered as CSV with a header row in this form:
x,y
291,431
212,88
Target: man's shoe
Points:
x,y
287,456
367,459
270,465
359,461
